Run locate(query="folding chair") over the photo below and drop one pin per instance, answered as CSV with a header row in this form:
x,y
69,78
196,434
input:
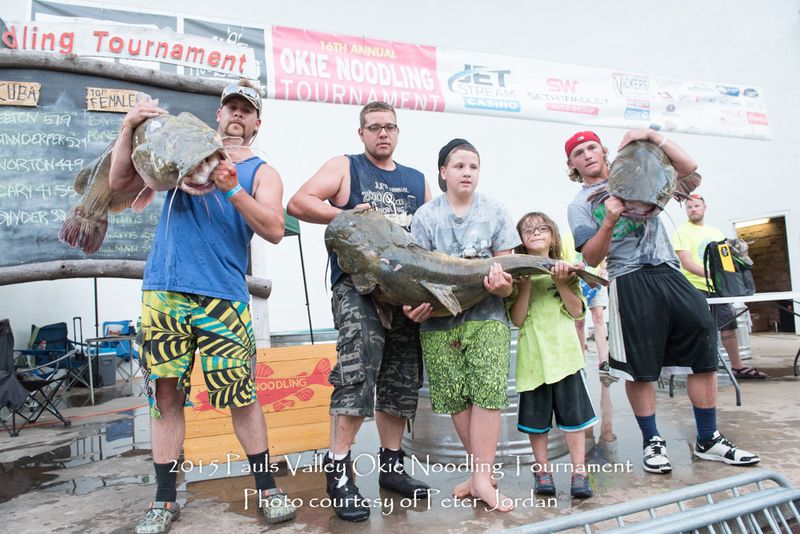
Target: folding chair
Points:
x,y
27,393
47,348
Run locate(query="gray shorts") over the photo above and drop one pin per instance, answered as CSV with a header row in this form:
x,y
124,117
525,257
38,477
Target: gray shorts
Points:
x,y
376,368
724,314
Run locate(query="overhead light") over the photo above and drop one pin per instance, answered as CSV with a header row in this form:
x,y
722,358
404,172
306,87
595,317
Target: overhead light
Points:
x,y
754,222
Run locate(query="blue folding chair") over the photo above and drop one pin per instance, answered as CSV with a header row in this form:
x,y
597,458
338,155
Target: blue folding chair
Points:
x,y
50,348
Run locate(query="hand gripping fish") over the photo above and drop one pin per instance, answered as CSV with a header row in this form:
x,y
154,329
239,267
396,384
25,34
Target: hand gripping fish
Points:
x,y
643,177
383,261
168,152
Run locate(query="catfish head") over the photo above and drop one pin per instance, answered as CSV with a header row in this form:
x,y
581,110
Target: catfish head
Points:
x,y
359,237
643,177
180,152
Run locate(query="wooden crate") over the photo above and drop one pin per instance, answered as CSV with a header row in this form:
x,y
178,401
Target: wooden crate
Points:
x,y
294,393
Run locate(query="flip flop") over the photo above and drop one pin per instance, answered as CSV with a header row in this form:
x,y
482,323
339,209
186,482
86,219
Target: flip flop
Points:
x,y
748,373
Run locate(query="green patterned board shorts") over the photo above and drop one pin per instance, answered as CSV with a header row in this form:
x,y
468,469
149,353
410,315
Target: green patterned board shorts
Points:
x,y
468,365
175,325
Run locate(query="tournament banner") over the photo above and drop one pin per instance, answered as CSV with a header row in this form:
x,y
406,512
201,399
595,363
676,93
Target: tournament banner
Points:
x,y
479,83
324,67
108,40
314,66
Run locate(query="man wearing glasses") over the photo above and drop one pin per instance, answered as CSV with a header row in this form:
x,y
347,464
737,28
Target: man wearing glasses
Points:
x,y
195,299
656,318
377,370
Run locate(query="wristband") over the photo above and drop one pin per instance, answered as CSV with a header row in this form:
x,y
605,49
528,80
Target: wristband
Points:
x,y
229,194
663,140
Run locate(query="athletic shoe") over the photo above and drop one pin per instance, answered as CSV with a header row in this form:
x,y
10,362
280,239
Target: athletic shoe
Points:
x,y
719,449
655,456
276,506
158,518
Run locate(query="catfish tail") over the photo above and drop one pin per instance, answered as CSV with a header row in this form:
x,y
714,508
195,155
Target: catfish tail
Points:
x,y
84,232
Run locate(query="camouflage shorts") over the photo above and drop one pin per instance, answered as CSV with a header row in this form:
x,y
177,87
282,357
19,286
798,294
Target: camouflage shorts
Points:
x,y
376,369
468,365
175,325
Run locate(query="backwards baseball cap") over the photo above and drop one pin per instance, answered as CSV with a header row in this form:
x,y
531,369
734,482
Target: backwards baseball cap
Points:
x,y
443,153
578,138
242,91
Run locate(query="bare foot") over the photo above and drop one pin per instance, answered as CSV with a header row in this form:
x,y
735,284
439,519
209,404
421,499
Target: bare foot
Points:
x,y
492,497
464,489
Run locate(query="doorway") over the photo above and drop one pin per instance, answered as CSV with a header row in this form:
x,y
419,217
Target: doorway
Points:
x,y
770,254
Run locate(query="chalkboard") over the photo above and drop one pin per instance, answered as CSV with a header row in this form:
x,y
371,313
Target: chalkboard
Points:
x,y
42,148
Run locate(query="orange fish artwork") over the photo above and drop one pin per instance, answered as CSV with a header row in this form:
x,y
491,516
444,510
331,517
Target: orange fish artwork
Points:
x,y
279,392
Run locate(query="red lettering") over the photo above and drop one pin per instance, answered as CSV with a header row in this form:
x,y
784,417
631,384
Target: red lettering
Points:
x,y
162,45
177,51
241,63
213,58
232,59
558,85
131,51
100,35
116,44
10,37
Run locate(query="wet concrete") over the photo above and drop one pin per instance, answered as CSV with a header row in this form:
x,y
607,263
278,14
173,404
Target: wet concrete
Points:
x,y
96,476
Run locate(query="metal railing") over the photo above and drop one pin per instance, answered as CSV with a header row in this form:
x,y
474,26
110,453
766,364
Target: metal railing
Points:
x,y
754,502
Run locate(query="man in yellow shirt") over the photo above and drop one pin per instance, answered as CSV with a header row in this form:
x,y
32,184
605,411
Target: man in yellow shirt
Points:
x,y
690,242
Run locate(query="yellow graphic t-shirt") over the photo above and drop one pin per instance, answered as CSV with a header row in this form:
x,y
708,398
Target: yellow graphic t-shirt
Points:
x,y
694,238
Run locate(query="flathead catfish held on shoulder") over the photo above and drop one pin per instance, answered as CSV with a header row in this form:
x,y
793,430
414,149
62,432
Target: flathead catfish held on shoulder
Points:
x,y
643,177
168,152
384,262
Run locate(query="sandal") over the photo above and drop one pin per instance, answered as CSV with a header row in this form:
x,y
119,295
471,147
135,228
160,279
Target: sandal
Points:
x,y
543,484
748,373
276,506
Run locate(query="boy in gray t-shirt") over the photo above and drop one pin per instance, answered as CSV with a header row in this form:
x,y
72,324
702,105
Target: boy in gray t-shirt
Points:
x,y
467,356
485,229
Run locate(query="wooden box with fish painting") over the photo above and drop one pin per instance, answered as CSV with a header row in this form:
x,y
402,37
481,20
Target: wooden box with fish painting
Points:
x,y
294,394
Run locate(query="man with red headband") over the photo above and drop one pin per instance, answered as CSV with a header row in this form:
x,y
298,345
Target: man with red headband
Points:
x,y
657,320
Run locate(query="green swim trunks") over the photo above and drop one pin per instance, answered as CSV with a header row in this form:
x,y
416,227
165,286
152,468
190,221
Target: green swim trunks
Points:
x,y
175,325
468,365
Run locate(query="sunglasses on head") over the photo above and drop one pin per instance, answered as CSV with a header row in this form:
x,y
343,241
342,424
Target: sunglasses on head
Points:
x,y
248,92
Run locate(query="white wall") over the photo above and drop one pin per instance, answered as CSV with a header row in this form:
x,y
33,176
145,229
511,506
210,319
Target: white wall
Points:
x,y
733,41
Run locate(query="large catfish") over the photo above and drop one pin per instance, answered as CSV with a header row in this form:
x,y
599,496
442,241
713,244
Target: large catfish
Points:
x,y
383,261
643,177
168,152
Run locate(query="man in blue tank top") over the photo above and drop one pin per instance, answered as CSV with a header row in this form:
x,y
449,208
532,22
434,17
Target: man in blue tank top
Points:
x,y
195,298
378,369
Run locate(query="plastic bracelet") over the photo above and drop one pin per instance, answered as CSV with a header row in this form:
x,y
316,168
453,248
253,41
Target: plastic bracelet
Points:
x,y
663,140
229,194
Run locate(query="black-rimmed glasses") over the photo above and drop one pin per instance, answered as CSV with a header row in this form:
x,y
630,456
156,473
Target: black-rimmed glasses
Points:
x,y
376,128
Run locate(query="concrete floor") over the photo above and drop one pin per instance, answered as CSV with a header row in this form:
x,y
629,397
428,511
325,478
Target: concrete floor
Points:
x,y
96,475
